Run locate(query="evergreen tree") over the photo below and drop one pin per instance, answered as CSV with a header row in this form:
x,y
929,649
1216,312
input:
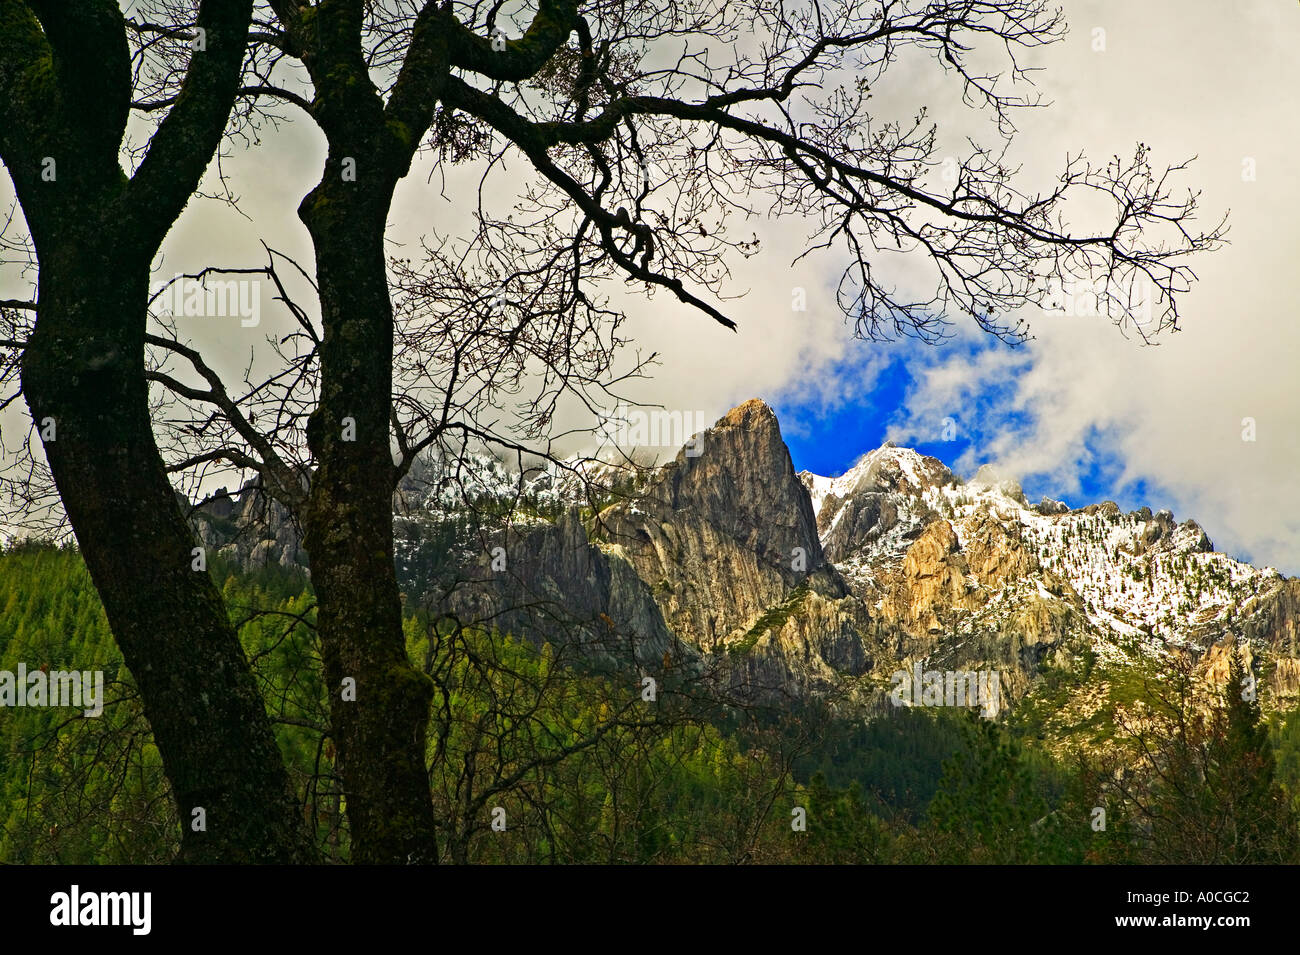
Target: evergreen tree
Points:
x,y
989,808
1259,826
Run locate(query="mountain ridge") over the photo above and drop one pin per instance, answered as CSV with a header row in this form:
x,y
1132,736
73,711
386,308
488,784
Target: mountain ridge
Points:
x,y
803,584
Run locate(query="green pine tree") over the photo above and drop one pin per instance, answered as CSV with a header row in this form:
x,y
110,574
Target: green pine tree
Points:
x,y
1259,826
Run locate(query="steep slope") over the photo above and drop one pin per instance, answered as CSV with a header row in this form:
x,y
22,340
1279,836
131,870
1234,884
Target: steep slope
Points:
x,y
728,540
725,530
797,583
952,563
549,583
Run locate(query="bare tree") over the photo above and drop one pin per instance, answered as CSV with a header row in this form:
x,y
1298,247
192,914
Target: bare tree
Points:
x,y
66,86
648,126
1194,769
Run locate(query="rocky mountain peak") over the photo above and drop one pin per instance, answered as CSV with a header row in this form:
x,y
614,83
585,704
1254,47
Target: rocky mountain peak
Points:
x,y
729,530
804,581
743,483
752,414
988,475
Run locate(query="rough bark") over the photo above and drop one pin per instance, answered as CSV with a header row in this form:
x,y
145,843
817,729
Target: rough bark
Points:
x,y
199,695
349,534
65,86
349,530
380,731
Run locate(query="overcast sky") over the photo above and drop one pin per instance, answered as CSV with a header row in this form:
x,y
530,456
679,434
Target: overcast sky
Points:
x,y
1079,413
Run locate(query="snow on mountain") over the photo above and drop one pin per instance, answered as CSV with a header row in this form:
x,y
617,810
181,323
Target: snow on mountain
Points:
x,y
898,560
1137,574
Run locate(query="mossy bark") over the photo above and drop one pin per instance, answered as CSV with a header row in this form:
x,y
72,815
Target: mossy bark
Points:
x,y
83,371
349,535
65,86
348,523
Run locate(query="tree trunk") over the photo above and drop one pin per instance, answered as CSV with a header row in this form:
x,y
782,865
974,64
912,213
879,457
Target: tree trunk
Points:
x,y
381,730
83,376
65,93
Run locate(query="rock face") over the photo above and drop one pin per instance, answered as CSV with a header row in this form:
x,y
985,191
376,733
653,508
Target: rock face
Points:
x,y
551,583
800,584
934,580
250,529
729,532
1285,681
718,554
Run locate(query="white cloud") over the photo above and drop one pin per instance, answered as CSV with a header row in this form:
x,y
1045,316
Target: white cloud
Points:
x,y
1173,413
1208,78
